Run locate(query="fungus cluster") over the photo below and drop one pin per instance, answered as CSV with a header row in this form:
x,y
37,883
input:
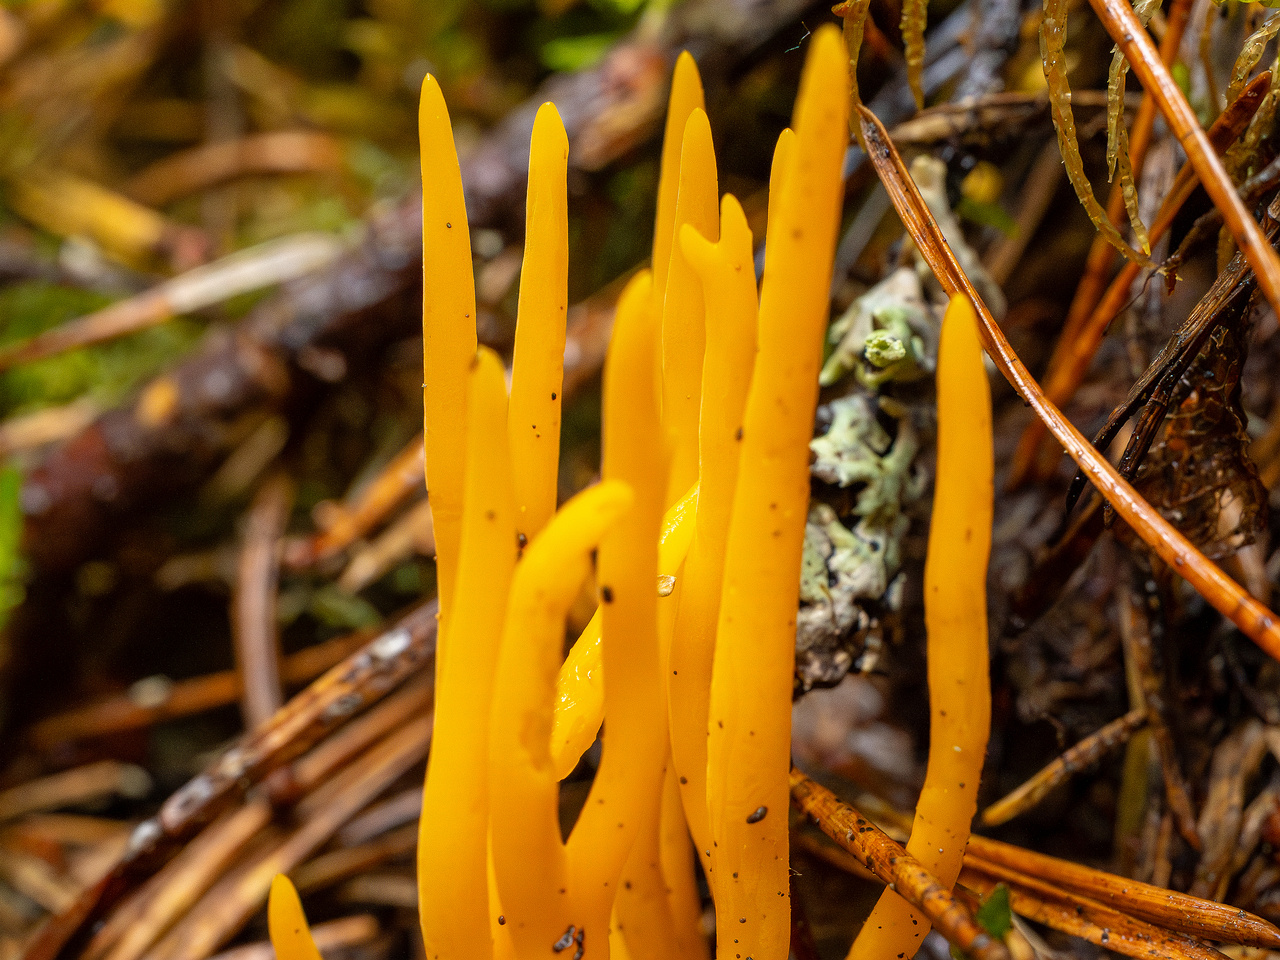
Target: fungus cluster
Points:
x,y
694,535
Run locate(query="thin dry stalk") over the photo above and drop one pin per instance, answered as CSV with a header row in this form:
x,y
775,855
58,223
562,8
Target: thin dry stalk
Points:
x,y
46,426
254,625
395,811
132,929
1254,619
143,918
70,829
310,771
1235,762
1079,757
35,879
1041,186
1101,254
895,867
1074,350
413,533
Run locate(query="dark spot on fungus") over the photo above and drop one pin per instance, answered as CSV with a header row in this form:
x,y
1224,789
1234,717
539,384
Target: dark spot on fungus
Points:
x,y
501,920
737,435
758,814
566,941
553,393
606,594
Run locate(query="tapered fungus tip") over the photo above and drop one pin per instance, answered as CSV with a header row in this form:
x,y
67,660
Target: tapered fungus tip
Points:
x,y
548,116
686,70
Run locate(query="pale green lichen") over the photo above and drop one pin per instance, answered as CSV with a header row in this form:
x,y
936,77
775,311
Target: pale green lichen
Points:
x,y
882,336
848,571
883,349
856,449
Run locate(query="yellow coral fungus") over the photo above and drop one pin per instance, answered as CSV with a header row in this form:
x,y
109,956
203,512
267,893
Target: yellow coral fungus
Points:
x,y
955,598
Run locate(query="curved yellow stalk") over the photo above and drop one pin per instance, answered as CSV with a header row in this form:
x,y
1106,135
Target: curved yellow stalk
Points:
x,y
537,365
778,175
627,786
453,894
727,273
955,610
448,334
580,683
530,865
686,96
287,924
748,748
683,323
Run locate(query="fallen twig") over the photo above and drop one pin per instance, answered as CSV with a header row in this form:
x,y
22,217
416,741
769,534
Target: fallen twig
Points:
x,y
895,867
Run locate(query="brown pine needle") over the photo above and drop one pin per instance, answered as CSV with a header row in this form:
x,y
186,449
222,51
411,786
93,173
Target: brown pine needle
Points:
x,y
1118,17
1090,921
1079,757
1075,349
1167,908
347,523
893,865
244,271
1227,596
155,702
394,655
1101,254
